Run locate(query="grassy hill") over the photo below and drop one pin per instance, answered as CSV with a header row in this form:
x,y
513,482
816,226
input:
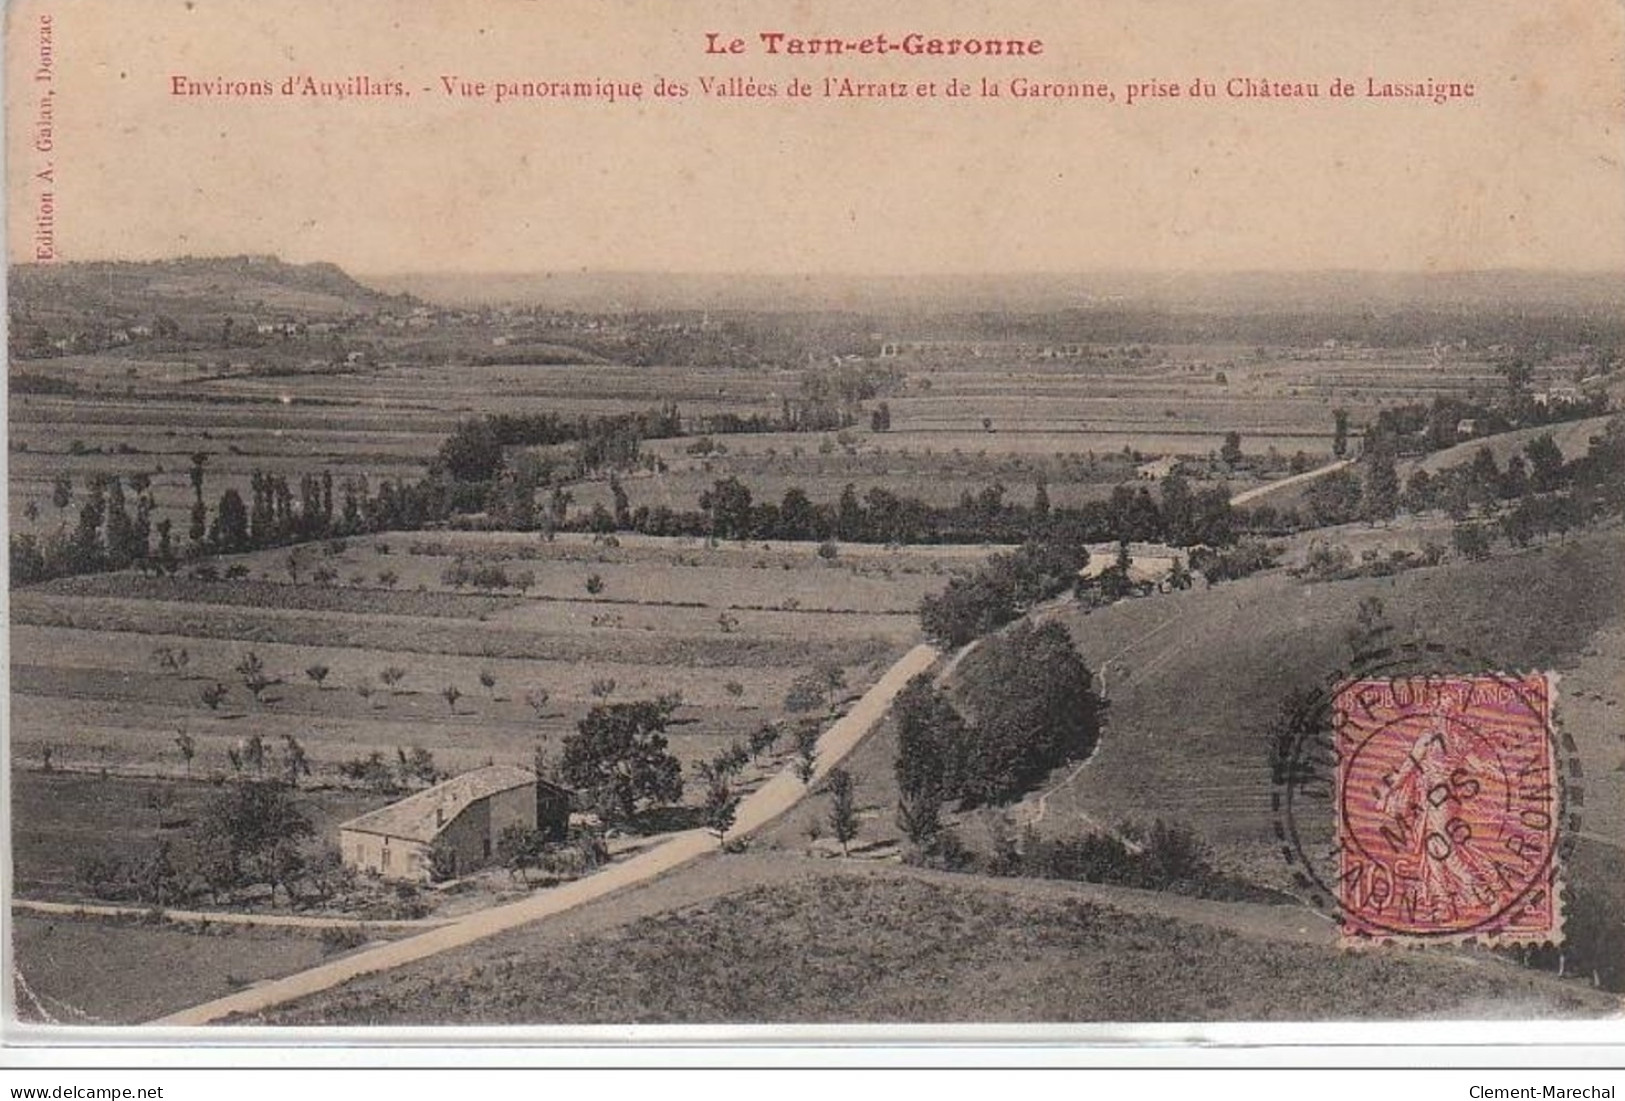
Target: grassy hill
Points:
x,y
835,943
189,290
1195,678
1573,438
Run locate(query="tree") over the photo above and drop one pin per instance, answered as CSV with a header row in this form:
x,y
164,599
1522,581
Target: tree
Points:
x,y
595,584
1334,498
806,693
721,807
61,491
488,681
317,672
213,695
252,750
519,849
1485,476
880,419
255,678
254,830
1472,541
602,688
472,453
1032,707
619,753
188,748
452,694
806,765
1545,463
442,859
1340,432
1179,575
229,533
538,698
391,675
798,519
1230,451
295,762
416,764
157,880
931,746
1380,499
843,811
727,503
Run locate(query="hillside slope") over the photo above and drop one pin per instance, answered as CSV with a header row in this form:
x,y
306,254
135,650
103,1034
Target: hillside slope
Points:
x,y
1195,679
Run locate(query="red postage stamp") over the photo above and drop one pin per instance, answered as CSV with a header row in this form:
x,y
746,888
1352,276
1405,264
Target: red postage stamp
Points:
x,y
1448,802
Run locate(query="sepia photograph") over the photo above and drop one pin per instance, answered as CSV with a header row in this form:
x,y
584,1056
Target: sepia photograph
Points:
x,y
550,516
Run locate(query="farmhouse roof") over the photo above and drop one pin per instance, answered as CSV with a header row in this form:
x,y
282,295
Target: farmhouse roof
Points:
x,y
422,816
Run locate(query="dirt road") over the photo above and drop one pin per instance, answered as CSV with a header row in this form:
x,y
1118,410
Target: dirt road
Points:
x,y
1296,479
763,805
223,917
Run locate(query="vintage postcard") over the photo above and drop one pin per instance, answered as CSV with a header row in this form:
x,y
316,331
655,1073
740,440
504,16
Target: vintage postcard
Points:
x,y
729,513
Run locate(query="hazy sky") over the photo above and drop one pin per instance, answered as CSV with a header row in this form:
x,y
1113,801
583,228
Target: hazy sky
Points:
x,y
1527,173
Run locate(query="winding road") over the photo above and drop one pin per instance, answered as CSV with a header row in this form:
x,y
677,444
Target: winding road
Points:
x,y
772,799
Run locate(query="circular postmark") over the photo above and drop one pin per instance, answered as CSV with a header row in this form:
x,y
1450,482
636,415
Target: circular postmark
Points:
x,y
1423,794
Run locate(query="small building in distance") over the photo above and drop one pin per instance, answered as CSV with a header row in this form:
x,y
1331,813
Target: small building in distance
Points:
x,y
1157,469
466,814
1149,563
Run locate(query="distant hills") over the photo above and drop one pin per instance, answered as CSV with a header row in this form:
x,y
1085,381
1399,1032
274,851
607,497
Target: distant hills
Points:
x,y
1246,305
1313,292
190,288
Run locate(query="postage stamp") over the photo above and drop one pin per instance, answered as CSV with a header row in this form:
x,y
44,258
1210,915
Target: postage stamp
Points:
x,y
1448,804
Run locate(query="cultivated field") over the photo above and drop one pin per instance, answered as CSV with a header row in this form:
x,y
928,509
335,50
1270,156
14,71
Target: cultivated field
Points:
x,y
728,627
959,422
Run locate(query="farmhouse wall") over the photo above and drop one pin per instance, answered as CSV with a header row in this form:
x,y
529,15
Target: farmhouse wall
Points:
x,y
516,806
389,857
469,836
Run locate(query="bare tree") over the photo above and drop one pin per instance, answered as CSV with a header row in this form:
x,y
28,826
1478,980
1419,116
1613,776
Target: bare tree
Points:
x,y
213,695
538,698
188,748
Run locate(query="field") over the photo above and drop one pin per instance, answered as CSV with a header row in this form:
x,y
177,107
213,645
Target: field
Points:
x,y
961,420
60,819
87,972
843,944
728,627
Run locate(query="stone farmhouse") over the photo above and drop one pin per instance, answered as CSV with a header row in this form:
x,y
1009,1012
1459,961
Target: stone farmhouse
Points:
x,y
464,815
